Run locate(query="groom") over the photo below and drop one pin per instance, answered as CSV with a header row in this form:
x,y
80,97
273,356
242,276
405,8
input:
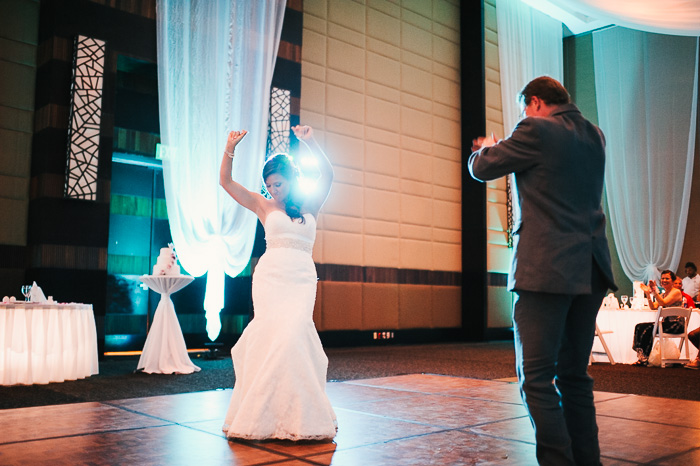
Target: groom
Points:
x,y
561,263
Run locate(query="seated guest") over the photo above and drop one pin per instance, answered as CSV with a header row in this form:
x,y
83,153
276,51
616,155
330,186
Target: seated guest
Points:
x,y
694,336
687,299
671,297
691,283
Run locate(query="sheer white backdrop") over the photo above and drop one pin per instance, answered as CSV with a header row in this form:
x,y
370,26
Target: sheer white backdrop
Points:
x,y
529,45
646,93
215,64
676,17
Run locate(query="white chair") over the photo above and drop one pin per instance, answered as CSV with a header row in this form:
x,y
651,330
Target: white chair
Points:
x,y
599,333
661,335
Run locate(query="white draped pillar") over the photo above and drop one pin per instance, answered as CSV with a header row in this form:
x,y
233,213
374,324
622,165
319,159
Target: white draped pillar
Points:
x,y
529,45
215,65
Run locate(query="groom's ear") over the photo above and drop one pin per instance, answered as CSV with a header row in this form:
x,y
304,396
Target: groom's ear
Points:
x,y
536,102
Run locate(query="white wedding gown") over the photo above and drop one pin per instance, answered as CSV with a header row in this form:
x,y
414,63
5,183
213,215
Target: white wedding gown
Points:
x,y
279,363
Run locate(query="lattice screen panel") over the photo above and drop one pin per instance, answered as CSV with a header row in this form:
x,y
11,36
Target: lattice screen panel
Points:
x,y
279,126
85,115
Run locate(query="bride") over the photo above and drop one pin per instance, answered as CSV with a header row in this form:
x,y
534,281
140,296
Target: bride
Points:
x,y
279,363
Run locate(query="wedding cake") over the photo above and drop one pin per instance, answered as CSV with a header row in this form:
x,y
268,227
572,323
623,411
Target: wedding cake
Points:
x,y
166,264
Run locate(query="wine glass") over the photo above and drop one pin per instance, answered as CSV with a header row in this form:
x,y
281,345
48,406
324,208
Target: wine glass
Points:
x,y
26,291
624,298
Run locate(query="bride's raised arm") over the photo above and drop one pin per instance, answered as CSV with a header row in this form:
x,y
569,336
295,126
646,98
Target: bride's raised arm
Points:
x,y
316,199
248,199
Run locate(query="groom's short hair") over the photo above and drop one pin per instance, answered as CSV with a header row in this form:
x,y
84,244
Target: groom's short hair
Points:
x,y
547,89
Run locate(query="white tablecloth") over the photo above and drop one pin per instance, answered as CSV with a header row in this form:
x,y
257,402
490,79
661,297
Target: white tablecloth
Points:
x,y
622,323
43,343
165,351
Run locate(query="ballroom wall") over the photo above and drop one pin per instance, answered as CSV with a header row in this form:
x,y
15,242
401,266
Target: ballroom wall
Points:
x,y
389,252
381,87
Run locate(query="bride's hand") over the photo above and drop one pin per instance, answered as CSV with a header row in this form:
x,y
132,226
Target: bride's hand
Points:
x,y
234,137
303,132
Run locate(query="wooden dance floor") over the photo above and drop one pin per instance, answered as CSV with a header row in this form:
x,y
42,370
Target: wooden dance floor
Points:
x,y
404,420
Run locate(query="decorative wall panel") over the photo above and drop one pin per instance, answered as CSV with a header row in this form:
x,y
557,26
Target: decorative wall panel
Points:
x,y
279,125
85,116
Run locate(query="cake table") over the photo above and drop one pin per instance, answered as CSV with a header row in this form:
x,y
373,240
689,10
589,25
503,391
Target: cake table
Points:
x,y
165,351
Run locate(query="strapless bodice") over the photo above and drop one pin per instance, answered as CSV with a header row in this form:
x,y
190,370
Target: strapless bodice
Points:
x,y
283,232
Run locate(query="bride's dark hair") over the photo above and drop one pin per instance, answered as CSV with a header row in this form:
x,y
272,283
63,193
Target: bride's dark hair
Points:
x,y
283,165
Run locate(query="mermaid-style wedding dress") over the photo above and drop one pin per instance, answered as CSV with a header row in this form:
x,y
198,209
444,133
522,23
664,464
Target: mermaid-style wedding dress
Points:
x,y
279,363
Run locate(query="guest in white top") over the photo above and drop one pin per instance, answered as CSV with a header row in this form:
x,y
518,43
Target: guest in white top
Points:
x,y
691,283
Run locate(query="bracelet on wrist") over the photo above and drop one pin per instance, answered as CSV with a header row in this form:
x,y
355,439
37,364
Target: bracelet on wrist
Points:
x,y
230,154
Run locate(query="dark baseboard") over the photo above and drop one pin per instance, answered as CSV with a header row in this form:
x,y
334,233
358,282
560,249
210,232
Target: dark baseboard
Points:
x,y
502,333
340,338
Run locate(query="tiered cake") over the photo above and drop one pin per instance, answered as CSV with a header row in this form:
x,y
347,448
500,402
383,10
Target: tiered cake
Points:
x,y
166,264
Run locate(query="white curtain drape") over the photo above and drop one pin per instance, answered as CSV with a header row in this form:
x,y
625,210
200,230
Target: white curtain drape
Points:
x,y
646,93
529,45
215,65
673,17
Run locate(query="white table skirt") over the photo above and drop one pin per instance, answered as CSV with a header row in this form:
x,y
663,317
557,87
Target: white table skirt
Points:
x,y
165,351
621,323
43,343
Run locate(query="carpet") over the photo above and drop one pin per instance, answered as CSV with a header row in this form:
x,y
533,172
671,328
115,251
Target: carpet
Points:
x,y
489,360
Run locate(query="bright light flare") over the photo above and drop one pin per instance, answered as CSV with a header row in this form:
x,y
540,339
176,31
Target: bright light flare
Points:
x,y
308,162
307,185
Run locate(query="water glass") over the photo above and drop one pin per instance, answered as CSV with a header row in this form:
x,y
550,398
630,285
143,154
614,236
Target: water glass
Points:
x,y
26,291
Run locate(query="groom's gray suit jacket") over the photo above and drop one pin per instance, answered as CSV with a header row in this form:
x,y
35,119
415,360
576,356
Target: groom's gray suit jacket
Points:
x,y
559,225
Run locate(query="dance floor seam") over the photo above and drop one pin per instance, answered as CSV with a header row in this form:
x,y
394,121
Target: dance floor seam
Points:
x,y
655,423
2,444
447,395
671,458
496,437
407,420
